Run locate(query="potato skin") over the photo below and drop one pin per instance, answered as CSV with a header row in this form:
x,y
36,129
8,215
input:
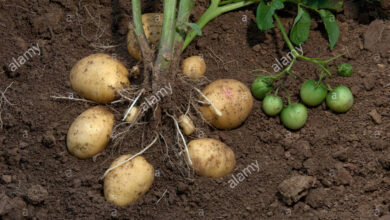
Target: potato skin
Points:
x,y
194,67
129,182
90,132
152,23
211,158
97,77
232,98
186,124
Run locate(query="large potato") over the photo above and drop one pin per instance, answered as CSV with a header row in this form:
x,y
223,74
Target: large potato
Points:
x,y
211,158
90,132
98,77
152,23
127,183
232,98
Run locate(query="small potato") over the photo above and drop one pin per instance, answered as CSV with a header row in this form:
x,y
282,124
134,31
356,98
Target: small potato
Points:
x,y
186,124
90,132
132,116
128,182
194,67
211,158
98,77
232,98
152,23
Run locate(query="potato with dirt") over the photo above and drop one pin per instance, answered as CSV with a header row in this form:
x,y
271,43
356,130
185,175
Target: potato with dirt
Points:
x,y
228,104
98,77
152,24
90,132
186,124
194,67
128,182
211,158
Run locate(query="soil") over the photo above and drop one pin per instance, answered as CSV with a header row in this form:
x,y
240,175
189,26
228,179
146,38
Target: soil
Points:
x,y
339,164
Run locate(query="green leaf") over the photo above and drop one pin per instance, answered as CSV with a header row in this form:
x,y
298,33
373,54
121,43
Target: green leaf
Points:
x,y
301,28
331,26
265,12
323,4
195,27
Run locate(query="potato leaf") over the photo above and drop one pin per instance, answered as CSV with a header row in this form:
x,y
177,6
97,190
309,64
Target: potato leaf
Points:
x,y
323,4
195,27
301,28
331,26
265,12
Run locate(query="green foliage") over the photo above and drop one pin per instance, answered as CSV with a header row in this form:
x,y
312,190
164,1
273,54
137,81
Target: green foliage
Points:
x,y
195,27
331,26
301,28
323,4
265,12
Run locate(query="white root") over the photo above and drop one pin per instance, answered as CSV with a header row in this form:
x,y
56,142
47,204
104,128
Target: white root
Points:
x,y
71,98
3,95
161,196
3,99
132,105
183,139
130,158
219,113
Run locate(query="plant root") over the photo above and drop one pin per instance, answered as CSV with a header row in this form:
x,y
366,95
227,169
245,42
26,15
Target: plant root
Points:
x,y
130,158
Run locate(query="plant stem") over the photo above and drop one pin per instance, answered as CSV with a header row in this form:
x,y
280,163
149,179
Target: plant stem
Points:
x,y
185,9
167,36
285,37
212,12
138,27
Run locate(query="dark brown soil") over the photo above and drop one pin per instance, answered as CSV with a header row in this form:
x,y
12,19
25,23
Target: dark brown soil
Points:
x,y
347,154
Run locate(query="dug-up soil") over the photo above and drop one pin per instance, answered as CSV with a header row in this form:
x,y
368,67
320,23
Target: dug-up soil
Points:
x,y
336,167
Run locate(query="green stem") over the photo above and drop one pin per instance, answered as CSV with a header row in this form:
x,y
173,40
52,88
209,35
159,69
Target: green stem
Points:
x,y
285,37
185,9
138,27
137,17
286,70
167,35
212,12
329,87
288,98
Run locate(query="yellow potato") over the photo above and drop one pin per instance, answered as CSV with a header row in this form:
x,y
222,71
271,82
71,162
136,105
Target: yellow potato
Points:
x,y
133,115
98,77
194,67
128,182
186,124
90,132
211,158
152,23
232,98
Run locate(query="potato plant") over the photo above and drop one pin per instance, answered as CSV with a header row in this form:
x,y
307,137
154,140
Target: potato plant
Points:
x,y
158,40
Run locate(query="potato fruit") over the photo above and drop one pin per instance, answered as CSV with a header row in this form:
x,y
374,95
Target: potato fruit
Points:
x,y
194,67
211,158
152,23
186,124
127,183
90,132
232,98
98,77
